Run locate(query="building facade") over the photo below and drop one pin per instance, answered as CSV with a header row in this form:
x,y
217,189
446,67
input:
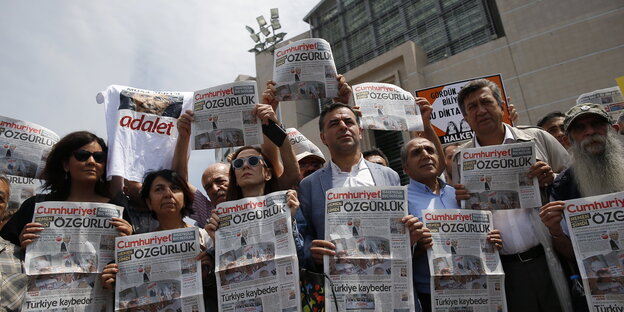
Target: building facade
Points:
x,y
548,52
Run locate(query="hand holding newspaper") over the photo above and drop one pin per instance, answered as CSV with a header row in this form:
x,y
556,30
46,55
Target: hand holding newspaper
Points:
x,y
371,269
596,229
465,268
255,256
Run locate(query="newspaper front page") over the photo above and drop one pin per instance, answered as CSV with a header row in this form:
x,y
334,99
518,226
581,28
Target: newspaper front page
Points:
x,y
497,177
255,255
158,271
24,148
466,271
141,129
610,98
301,144
223,116
65,261
305,69
387,107
372,269
447,118
596,227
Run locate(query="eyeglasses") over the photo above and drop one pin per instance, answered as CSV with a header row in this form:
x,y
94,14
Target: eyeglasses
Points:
x,y
251,160
82,155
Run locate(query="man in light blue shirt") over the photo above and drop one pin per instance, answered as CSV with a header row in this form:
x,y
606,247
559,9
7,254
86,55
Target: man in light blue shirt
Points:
x,y
423,164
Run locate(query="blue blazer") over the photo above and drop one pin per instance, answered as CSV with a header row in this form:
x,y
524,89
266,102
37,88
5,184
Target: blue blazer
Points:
x,y
311,213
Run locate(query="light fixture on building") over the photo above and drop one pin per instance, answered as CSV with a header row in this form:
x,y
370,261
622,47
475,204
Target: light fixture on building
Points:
x,y
266,38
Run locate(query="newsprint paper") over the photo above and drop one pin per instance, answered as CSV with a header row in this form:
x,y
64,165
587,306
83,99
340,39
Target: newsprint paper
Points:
x,y
158,271
223,116
387,107
65,261
305,69
497,177
596,226
255,256
466,271
372,269
24,147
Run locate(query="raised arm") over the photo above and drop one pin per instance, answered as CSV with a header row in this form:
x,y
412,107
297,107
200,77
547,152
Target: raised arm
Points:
x,y
179,163
429,133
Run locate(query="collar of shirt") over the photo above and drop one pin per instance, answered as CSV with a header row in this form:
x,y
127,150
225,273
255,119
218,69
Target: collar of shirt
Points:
x,y
509,138
422,188
360,175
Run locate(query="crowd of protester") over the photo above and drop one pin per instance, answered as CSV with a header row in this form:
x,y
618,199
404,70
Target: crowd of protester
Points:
x,y
579,154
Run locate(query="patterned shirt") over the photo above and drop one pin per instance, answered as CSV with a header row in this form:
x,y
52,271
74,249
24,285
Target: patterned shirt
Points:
x,y
13,281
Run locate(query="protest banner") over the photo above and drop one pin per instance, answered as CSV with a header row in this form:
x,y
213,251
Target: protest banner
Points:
x,y
255,255
466,271
372,269
305,69
141,129
158,271
223,116
496,177
65,261
446,118
596,229
387,107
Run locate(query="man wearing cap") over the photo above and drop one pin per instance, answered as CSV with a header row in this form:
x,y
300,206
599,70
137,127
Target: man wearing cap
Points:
x,y
308,155
529,278
597,169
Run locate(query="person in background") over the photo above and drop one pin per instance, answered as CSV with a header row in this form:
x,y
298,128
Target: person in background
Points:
x,y
553,124
375,155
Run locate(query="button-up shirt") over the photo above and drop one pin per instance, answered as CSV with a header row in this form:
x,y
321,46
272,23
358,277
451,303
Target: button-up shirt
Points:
x,y
13,281
359,175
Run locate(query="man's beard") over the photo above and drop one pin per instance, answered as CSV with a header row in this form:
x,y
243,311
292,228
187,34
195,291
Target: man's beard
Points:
x,y
601,172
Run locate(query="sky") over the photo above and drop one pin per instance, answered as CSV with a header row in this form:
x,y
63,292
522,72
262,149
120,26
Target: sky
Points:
x,y
57,55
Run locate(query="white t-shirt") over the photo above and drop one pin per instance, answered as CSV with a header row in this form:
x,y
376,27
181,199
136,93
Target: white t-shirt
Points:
x,y
141,128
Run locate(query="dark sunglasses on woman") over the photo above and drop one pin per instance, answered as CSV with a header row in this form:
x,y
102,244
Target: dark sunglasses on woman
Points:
x,y
251,160
82,155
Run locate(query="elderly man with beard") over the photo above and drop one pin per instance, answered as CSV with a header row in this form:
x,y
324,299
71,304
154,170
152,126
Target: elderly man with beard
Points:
x,y
597,169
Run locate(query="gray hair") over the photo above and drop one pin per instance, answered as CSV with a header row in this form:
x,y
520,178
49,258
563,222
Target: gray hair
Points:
x,y
474,86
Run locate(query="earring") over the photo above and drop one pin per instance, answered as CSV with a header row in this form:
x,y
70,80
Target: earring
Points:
x,y
66,175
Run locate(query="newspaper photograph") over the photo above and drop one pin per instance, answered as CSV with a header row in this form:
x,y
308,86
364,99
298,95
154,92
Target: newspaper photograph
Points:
x,y
305,69
372,269
77,238
22,188
387,107
158,271
596,229
255,255
76,292
610,98
24,147
223,116
446,117
496,177
141,129
65,261
466,271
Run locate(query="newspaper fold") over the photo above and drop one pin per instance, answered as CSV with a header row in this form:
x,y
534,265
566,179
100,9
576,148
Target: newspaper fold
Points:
x,y
387,107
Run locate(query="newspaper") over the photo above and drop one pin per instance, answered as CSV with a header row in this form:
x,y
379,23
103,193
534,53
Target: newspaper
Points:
x,y
305,69
372,269
22,188
223,116
447,118
497,177
387,107
611,98
24,148
141,129
301,144
255,256
158,271
596,226
65,261
466,271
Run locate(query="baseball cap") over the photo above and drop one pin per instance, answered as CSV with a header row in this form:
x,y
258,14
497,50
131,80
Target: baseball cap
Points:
x,y
305,154
583,109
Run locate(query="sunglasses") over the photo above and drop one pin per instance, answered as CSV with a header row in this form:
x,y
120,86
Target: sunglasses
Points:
x,y
82,155
251,160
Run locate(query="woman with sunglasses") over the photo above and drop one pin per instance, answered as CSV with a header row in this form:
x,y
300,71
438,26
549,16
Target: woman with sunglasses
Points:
x,y
74,171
